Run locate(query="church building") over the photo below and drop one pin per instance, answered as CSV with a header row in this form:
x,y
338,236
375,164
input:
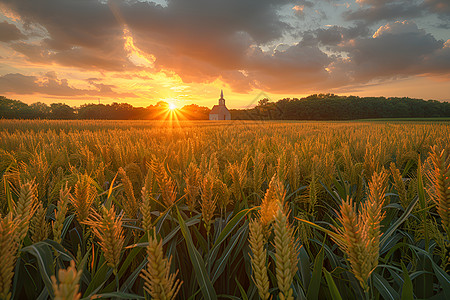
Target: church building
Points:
x,y
220,112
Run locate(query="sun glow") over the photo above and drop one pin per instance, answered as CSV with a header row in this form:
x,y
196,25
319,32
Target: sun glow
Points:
x,y
172,106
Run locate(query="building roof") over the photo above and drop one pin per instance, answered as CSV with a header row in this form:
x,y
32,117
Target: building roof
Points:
x,y
219,109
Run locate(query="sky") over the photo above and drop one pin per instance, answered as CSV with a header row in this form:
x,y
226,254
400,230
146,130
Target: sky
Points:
x,y
185,51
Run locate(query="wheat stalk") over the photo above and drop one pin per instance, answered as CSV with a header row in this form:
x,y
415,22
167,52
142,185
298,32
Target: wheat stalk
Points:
x,y
222,193
213,167
238,173
440,184
285,253
258,174
68,287
60,213
352,243
159,283
166,185
38,226
269,204
372,216
208,201
83,197
8,254
310,197
399,185
360,235
108,229
257,245
192,189
146,210
130,206
25,208
134,174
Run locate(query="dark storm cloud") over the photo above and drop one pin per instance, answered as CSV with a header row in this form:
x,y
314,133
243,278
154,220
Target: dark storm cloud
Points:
x,y
334,35
79,33
398,48
9,32
372,11
258,18
86,58
50,84
301,66
441,7
380,10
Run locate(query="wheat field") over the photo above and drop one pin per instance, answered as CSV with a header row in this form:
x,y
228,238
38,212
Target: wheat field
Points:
x,y
224,210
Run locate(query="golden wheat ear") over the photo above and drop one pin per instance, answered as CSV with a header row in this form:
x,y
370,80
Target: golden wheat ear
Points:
x,y
130,206
159,283
60,213
25,208
108,229
39,228
285,253
146,210
269,205
351,243
83,197
399,185
440,185
372,215
257,243
208,201
192,189
68,286
167,186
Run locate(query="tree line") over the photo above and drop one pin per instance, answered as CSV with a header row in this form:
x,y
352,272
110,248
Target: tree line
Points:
x,y
334,107
14,109
313,107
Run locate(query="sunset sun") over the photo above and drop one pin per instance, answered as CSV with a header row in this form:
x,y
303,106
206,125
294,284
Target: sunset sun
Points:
x,y
172,106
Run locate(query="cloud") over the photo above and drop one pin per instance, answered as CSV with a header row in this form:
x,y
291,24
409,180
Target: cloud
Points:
x,y
83,34
299,8
441,7
396,49
50,84
9,32
203,34
397,28
334,35
301,66
373,11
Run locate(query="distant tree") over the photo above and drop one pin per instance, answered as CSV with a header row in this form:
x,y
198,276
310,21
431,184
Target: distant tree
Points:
x,y
194,112
61,111
14,109
263,102
40,110
93,111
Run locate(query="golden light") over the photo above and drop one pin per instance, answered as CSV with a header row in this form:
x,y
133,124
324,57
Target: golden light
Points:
x,y
172,106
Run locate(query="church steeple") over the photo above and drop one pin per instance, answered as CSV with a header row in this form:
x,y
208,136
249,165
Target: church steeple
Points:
x,y
221,100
